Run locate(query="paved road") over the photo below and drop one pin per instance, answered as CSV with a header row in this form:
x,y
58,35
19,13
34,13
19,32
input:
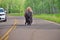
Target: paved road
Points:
x,y
4,26
39,30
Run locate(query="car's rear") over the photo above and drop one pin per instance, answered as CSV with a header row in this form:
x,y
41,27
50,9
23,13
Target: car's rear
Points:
x,y
2,15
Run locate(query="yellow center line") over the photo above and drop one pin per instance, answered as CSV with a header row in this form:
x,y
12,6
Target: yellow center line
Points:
x,y
7,33
6,37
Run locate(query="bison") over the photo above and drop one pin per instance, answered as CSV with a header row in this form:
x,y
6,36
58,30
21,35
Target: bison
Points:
x,y
28,16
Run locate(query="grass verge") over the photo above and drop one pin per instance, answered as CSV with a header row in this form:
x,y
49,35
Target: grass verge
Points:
x,y
15,14
50,17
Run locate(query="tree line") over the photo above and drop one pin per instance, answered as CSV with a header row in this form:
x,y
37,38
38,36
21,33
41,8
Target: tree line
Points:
x,y
38,6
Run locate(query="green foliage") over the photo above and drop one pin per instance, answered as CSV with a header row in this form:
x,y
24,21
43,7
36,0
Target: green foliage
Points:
x,y
38,6
12,6
43,6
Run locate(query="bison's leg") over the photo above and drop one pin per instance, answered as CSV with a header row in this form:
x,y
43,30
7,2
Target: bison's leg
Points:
x,y
25,23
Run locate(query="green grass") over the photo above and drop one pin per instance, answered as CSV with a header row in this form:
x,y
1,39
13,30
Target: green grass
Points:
x,y
50,17
15,14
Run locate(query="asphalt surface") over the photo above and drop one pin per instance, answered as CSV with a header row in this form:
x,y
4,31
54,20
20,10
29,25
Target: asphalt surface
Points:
x,y
39,30
4,26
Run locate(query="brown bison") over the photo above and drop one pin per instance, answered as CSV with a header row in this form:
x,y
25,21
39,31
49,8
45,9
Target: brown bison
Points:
x,y
28,16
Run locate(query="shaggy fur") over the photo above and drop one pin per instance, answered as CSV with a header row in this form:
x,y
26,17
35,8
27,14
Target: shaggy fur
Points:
x,y
28,16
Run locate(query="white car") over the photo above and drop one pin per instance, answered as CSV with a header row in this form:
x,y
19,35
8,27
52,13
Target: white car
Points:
x,y
3,15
